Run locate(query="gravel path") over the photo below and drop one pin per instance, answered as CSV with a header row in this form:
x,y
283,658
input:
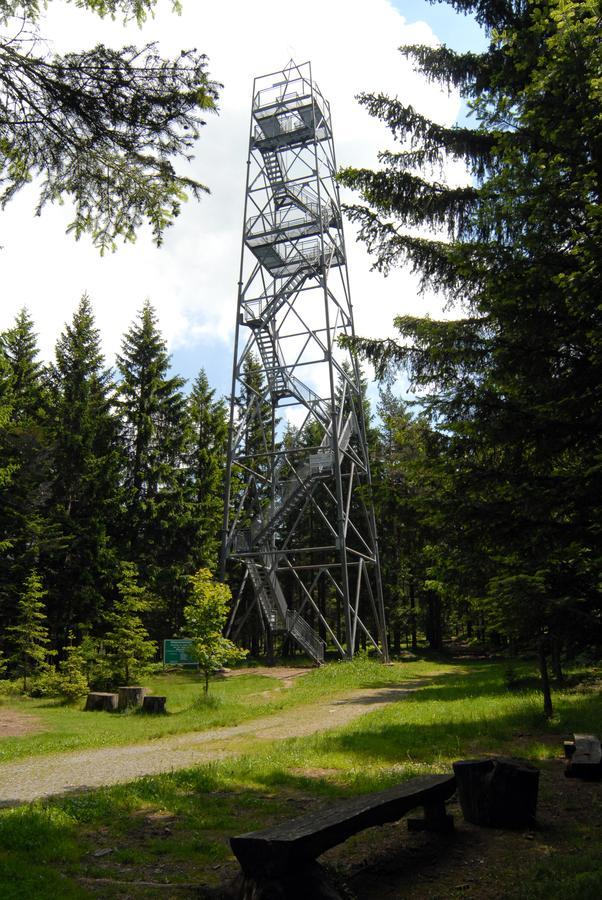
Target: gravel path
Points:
x,y
44,776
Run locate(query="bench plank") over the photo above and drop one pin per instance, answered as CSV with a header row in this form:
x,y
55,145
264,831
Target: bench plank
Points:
x,y
273,850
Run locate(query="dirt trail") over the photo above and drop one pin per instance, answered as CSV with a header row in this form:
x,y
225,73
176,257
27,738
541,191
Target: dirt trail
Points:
x,y
44,776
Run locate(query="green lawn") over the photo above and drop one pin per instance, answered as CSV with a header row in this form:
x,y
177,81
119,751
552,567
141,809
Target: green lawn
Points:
x,y
230,701
175,827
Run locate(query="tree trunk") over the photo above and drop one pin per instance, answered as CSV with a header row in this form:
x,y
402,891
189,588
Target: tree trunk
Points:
x,y
545,680
556,659
434,629
412,593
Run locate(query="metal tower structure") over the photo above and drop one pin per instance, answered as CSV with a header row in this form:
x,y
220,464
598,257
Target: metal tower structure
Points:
x,y
295,515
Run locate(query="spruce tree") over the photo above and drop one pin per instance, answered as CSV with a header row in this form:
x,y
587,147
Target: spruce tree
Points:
x,y
156,508
514,381
127,643
29,635
206,461
29,386
25,444
6,468
85,491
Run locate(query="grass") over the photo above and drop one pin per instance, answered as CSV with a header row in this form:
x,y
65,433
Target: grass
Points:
x,y
175,826
230,701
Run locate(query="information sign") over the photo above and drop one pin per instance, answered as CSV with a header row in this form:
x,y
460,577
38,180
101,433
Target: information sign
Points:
x,y
178,652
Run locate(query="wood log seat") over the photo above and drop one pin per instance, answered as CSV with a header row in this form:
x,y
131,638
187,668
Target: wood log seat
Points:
x,y
101,700
584,755
153,704
131,696
498,793
290,847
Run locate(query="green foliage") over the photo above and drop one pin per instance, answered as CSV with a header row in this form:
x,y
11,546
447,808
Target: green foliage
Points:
x,y
206,461
103,127
25,447
29,635
127,644
157,507
85,492
205,618
511,384
73,678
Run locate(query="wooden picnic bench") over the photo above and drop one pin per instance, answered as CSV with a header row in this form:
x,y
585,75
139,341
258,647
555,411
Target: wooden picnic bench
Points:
x,y
287,850
584,755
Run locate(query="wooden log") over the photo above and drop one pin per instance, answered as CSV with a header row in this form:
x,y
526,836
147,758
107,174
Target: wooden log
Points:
x,y
154,705
499,793
586,760
101,700
131,696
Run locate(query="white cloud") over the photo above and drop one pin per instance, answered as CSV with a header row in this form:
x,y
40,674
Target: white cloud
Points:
x,y
192,279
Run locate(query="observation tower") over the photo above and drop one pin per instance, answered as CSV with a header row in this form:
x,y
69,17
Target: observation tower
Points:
x,y
298,515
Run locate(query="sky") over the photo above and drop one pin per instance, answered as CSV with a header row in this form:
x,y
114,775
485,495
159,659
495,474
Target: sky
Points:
x,y
192,279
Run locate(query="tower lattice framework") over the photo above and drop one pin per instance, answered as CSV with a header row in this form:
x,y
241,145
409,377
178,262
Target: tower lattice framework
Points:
x,y
298,516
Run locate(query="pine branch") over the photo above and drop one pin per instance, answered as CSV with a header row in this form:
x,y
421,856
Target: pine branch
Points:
x,y
413,200
436,142
104,127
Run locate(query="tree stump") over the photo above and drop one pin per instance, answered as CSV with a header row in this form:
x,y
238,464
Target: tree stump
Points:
x,y
499,793
130,697
153,705
100,700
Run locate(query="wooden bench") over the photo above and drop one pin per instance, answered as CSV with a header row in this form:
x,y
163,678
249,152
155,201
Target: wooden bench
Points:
x,y
584,756
285,849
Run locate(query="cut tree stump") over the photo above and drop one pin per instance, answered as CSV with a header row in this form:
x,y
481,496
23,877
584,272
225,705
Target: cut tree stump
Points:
x,y
100,700
130,697
154,705
499,793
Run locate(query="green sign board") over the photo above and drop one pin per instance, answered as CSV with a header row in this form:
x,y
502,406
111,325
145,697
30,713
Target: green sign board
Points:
x,y
178,652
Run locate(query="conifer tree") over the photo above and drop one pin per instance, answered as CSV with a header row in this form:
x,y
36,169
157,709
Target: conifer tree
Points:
x,y
127,644
6,469
206,460
514,380
29,635
85,491
156,509
29,386
25,444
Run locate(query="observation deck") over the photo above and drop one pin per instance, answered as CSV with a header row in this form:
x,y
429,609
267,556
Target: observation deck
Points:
x,y
288,114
